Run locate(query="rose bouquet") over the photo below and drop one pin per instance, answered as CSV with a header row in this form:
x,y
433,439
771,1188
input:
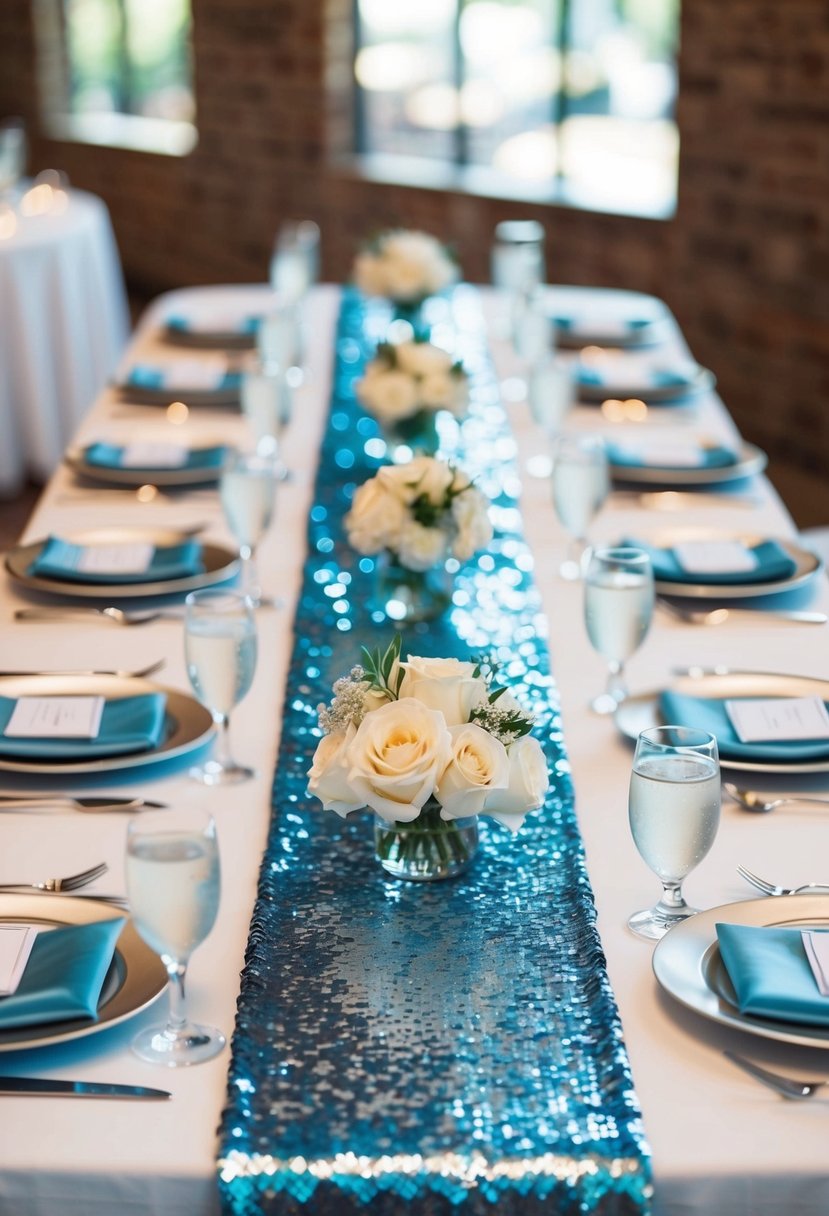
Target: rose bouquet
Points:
x,y
428,745
407,380
404,266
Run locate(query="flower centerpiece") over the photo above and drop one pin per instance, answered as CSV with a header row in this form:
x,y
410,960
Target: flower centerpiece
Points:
x,y
416,515
405,385
404,266
427,744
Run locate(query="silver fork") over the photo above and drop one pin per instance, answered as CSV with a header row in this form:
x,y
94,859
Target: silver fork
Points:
x,y
71,883
770,888
789,1087
141,674
117,615
718,616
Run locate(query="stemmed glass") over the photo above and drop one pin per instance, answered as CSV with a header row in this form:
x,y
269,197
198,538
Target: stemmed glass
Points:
x,y
172,870
618,609
266,399
220,649
12,155
580,486
674,808
295,261
247,488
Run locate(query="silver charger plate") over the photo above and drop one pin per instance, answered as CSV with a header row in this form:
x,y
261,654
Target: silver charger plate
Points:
x,y
140,477
220,565
641,712
688,965
750,460
807,566
187,727
135,979
701,380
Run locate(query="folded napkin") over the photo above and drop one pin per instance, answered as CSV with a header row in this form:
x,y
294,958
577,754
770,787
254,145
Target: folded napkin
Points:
x,y
709,714
128,724
242,326
59,559
644,378
64,975
144,377
633,458
603,325
110,455
771,974
773,565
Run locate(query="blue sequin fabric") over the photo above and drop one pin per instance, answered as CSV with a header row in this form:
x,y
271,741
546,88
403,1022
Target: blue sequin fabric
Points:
x,y
424,1048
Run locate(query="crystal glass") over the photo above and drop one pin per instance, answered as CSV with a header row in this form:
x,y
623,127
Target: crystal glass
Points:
x,y
267,402
580,482
295,261
172,870
618,609
674,807
12,154
247,488
279,338
220,649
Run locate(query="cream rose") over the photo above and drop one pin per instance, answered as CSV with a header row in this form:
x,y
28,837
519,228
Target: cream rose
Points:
x,y
447,685
420,548
422,475
528,783
422,358
471,516
396,758
375,518
479,766
328,774
389,395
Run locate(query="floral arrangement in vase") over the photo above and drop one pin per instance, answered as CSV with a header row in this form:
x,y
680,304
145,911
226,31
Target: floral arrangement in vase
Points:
x,y
406,382
427,744
404,266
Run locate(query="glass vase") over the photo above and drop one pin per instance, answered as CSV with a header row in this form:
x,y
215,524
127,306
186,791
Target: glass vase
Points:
x,y
427,849
418,433
407,596
412,312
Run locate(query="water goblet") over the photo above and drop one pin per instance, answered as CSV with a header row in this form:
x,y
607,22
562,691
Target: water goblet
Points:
x,y
295,261
220,650
266,399
279,338
618,609
674,808
172,871
247,489
12,155
580,482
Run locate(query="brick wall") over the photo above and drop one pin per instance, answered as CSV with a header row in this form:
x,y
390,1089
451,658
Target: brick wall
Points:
x,y
743,264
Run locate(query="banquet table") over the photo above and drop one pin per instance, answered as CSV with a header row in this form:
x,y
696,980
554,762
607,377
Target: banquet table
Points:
x,y
719,1141
63,325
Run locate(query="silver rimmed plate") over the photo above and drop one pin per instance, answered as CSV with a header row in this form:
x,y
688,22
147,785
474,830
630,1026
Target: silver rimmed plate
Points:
x,y
113,475
641,712
687,963
187,724
220,565
135,979
750,461
807,565
698,380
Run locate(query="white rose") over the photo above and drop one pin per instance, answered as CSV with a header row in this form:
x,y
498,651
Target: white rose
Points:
x,y
389,395
479,766
437,390
474,529
375,519
448,685
423,254
369,274
396,757
528,783
422,358
328,774
459,404
420,548
429,476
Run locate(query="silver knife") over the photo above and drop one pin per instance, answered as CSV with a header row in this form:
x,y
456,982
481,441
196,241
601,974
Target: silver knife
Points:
x,y
42,1087
697,672
27,802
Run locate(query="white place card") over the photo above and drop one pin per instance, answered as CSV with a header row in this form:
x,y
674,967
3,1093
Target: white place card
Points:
x,y
778,719
116,559
16,943
816,945
193,374
55,718
714,557
154,456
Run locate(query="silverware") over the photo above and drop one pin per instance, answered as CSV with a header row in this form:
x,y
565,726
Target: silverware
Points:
x,y
697,672
718,616
117,615
789,1087
141,674
26,802
71,883
751,801
681,500
769,888
43,1087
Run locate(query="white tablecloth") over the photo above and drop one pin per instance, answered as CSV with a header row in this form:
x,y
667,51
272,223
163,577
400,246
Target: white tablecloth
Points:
x,y
63,325
721,1143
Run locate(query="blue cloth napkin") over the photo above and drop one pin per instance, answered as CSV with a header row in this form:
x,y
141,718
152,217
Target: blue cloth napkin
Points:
x,y
128,724
59,558
634,324
707,713
64,975
773,565
184,325
629,458
771,974
110,455
145,377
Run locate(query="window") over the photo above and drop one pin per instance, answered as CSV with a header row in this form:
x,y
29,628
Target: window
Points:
x,y
573,97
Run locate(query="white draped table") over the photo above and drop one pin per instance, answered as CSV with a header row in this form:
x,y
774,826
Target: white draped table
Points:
x,y
721,1143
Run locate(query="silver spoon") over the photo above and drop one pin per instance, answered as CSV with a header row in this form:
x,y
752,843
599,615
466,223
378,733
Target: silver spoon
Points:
x,y
789,1087
751,801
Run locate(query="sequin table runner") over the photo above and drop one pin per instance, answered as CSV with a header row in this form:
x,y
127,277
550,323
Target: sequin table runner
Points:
x,y
424,1048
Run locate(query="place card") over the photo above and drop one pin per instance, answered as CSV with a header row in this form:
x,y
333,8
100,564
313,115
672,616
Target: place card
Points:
x,y
55,718
777,719
816,945
16,943
714,557
150,455
115,559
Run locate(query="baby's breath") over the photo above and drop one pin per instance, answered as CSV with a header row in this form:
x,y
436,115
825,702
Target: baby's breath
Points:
x,y
348,705
506,724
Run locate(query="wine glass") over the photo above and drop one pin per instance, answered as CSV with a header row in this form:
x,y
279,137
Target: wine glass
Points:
x,y
295,261
247,488
618,608
674,808
580,486
220,649
172,870
279,339
266,399
12,154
